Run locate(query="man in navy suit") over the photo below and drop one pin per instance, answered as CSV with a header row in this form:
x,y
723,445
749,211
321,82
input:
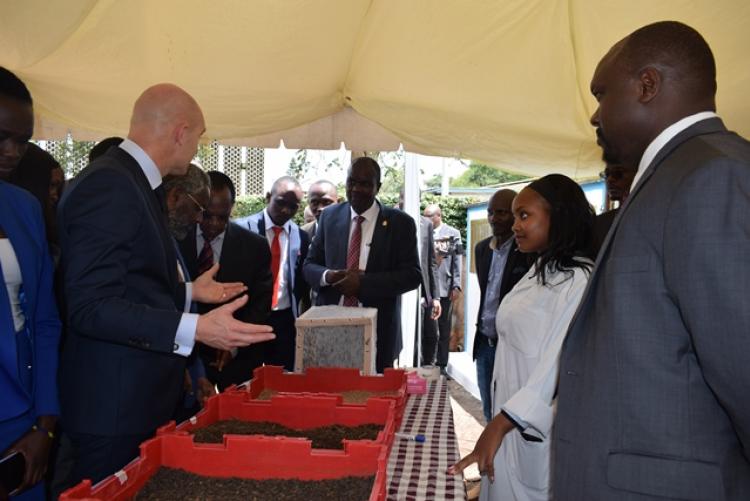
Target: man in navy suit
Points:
x,y
242,256
288,245
128,336
365,254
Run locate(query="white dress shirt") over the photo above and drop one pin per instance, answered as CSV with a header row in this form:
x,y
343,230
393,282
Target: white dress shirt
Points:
x,y
283,299
13,281
216,244
185,336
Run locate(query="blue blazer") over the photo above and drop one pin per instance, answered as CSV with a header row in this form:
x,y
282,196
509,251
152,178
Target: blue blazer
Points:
x,y
392,268
299,242
22,222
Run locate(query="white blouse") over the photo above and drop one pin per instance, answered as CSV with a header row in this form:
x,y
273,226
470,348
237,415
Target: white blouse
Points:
x,y
13,281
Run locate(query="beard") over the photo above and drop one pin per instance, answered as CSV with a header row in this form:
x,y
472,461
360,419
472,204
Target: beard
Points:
x,y
608,155
179,229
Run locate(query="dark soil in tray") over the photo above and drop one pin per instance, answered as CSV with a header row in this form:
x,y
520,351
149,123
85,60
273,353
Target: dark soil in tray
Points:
x,y
169,484
327,437
348,397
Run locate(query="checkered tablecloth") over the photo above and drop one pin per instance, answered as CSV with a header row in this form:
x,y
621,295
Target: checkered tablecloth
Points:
x,y
418,471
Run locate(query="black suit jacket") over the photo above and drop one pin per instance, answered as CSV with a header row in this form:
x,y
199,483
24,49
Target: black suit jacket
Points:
x,y
516,267
119,374
245,257
392,268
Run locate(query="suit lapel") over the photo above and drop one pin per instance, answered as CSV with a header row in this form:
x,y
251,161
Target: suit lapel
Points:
x,y
154,208
709,126
379,235
341,224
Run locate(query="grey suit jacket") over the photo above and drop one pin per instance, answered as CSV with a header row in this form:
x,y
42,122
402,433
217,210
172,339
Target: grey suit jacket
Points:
x,y
449,269
654,388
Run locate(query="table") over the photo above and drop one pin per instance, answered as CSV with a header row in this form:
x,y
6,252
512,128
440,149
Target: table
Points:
x,y
417,471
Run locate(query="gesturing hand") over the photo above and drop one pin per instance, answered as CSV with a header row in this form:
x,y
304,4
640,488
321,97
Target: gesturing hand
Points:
x,y
485,448
209,291
219,329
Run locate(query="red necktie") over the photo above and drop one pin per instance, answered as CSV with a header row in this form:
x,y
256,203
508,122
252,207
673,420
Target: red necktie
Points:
x,y
275,263
352,257
206,257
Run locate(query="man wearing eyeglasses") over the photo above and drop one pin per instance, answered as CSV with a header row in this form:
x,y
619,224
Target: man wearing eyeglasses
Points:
x,y
618,179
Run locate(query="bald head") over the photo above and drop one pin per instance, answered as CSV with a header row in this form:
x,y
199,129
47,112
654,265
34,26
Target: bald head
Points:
x,y
676,49
167,123
654,77
434,214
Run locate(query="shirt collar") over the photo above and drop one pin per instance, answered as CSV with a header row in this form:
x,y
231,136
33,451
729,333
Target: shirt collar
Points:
x,y
370,214
504,247
216,239
270,224
149,168
664,137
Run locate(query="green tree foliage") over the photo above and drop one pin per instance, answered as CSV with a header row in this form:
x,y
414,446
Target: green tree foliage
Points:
x,y
250,204
481,175
299,165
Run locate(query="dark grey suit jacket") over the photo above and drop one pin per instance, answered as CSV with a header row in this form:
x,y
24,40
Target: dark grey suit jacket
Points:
x,y
392,268
654,389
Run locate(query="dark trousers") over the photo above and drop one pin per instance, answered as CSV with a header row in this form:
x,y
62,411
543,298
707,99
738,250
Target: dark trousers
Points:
x,y
444,331
281,350
429,337
96,457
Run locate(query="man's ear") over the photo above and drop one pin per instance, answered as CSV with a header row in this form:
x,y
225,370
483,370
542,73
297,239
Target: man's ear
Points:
x,y
268,197
180,131
173,196
649,84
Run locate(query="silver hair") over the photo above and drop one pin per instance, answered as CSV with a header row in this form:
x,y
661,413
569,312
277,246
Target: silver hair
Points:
x,y
193,182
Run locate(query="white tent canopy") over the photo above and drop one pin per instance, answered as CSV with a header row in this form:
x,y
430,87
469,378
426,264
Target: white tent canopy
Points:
x,y
504,81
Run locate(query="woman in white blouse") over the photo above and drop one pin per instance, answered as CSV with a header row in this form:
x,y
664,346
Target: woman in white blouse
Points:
x,y
554,219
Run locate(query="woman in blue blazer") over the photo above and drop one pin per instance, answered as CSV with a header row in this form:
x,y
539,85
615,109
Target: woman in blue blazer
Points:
x,y
28,357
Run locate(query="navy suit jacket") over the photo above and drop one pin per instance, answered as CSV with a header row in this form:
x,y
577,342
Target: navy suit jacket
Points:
x,y
23,225
299,242
392,268
119,375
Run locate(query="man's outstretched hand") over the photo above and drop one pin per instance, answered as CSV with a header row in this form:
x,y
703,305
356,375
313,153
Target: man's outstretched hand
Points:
x,y
219,329
209,291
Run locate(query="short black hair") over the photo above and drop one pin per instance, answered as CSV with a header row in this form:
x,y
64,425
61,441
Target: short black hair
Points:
x,y
676,46
102,146
367,162
284,179
12,86
219,181
571,225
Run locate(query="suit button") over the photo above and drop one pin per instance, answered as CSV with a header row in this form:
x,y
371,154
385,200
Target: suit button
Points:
x,y
176,347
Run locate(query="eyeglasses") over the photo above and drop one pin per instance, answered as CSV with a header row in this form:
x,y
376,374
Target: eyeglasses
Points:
x,y
200,207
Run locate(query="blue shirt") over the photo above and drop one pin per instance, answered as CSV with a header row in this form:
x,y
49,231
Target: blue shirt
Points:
x,y
495,279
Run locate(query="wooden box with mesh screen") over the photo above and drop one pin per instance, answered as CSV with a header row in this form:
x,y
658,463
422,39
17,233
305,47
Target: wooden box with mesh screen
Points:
x,y
336,336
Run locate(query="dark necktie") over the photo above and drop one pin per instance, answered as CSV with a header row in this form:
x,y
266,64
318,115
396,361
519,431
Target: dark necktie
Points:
x,y
161,197
206,257
275,263
352,257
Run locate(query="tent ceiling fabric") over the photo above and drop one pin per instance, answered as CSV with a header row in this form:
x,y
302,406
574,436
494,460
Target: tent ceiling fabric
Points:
x,y
505,81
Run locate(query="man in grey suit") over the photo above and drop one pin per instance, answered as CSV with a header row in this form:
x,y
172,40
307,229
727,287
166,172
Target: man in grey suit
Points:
x,y
435,344
655,371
